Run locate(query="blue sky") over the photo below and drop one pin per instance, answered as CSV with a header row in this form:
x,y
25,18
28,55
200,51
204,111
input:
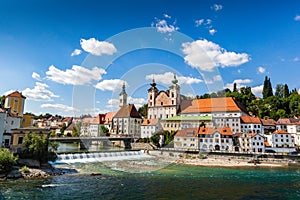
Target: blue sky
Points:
x,y
71,57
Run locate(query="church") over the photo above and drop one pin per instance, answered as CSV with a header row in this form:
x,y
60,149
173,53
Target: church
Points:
x,y
163,104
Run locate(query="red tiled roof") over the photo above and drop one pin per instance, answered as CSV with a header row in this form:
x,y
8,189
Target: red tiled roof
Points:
x,y
280,132
189,132
283,121
212,105
209,130
267,144
149,122
268,122
250,120
16,94
252,134
108,117
128,111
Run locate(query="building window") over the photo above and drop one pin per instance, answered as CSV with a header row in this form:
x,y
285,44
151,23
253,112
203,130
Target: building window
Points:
x,y
161,103
20,140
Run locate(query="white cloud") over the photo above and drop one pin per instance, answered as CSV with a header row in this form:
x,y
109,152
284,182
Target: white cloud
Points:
x,y
162,26
167,77
59,107
217,78
208,21
8,92
40,92
76,52
138,102
217,7
257,91
212,31
297,18
78,75
96,47
296,59
36,76
261,70
113,103
239,83
167,16
110,85
199,22
206,55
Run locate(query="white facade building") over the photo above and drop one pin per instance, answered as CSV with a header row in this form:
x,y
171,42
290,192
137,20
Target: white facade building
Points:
x,y
149,127
280,139
219,139
163,104
251,125
226,112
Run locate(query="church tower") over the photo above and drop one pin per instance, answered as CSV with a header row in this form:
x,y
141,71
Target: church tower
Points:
x,y
123,96
152,93
175,93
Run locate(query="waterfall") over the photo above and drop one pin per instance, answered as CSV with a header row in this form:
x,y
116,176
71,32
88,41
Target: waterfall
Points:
x,y
70,158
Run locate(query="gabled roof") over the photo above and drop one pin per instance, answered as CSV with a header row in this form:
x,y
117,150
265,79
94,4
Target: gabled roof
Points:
x,y
90,120
189,132
287,121
268,122
16,94
128,111
108,117
250,120
226,104
280,132
209,130
149,122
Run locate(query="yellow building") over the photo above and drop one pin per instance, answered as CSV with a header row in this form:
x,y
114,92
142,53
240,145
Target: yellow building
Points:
x,y
15,103
19,135
27,120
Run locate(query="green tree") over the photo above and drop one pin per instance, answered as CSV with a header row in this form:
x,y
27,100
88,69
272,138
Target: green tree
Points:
x,y
155,138
7,160
286,91
2,101
63,128
75,132
279,90
36,147
294,104
267,88
143,110
235,87
103,131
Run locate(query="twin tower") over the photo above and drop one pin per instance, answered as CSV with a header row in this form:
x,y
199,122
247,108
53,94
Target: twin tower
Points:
x,y
161,104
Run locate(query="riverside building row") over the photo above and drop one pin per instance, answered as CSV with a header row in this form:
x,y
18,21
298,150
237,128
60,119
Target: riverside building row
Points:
x,y
169,110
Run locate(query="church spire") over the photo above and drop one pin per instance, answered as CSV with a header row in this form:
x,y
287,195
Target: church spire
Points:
x,y
175,81
153,84
123,96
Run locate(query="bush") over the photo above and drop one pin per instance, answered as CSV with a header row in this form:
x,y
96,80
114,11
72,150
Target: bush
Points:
x,y
7,160
25,169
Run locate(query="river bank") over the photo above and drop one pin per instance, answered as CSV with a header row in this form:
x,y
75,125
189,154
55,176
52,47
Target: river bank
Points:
x,y
219,160
45,171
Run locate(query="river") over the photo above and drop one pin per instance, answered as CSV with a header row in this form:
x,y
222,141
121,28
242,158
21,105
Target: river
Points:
x,y
165,181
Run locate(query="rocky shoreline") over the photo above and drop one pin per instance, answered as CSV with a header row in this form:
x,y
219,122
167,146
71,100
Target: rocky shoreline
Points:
x,y
34,170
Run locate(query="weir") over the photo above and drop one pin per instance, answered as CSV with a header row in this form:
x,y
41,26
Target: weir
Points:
x,y
70,158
